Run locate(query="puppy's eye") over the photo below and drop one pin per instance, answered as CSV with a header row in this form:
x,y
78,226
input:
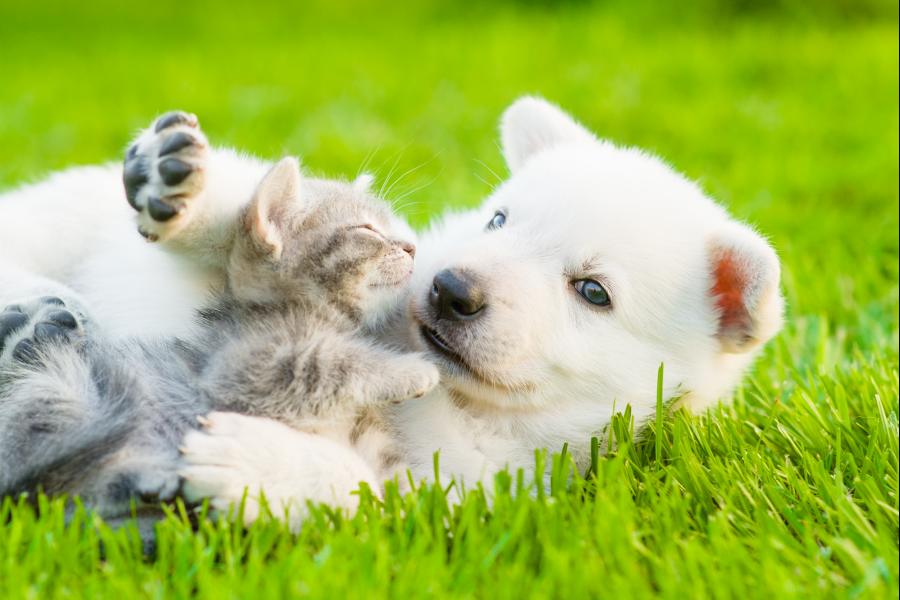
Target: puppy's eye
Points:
x,y
497,221
592,291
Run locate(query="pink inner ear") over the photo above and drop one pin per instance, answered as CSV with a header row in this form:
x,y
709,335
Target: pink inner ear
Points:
x,y
728,290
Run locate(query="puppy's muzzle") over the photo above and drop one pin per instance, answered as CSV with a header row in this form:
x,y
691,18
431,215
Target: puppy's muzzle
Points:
x,y
456,295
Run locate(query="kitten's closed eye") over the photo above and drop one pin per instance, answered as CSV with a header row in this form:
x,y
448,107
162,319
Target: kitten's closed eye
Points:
x,y
368,228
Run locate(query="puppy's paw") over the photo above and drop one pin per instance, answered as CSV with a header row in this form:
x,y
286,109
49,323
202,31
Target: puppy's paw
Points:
x,y
164,174
236,458
229,460
29,328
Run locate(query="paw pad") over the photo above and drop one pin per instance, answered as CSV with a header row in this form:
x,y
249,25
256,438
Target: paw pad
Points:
x,y
163,173
159,210
177,141
10,322
176,117
46,320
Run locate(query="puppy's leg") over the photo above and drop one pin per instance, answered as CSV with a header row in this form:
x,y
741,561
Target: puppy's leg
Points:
x,y
46,392
235,453
188,196
78,416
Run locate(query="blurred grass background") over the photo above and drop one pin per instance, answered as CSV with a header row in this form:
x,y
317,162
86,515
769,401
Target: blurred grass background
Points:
x,y
786,111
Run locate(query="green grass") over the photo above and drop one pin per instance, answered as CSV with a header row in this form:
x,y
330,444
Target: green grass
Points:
x,y
787,114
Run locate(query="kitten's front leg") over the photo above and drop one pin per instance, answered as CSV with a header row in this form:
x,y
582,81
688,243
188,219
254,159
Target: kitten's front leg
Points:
x,y
321,377
188,195
352,374
398,377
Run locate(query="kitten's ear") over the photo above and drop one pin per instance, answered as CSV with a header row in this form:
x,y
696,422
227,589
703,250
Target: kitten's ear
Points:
x,y
363,182
531,125
269,207
745,289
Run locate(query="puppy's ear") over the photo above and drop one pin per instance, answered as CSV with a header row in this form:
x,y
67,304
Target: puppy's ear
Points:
x,y
531,125
269,207
745,274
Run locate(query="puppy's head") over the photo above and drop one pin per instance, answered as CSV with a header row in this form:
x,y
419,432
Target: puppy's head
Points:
x,y
584,271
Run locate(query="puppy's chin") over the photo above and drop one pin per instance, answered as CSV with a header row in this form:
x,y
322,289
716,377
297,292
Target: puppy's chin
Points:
x,y
472,377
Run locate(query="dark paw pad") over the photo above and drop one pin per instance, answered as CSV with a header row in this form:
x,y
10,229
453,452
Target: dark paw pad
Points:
x,y
160,210
174,171
51,300
177,141
134,178
55,325
49,332
62,318
10,322
175,118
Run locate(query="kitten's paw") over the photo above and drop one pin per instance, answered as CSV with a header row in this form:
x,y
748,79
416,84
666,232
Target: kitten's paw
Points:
x,y
28,328
164,174
415,377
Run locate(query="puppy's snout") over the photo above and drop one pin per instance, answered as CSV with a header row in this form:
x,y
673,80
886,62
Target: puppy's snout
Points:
x,y
456,295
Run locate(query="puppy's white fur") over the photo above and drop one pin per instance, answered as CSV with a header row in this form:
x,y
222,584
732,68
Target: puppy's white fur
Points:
x,y
73,235
690,287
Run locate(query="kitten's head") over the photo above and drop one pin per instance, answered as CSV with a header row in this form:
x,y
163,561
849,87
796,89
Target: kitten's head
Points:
x,y
321,242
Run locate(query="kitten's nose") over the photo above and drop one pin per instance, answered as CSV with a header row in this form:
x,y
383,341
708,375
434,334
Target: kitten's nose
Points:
x,y
409,248
456,295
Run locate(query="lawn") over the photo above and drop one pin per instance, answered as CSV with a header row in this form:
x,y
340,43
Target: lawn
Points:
x,y
786,113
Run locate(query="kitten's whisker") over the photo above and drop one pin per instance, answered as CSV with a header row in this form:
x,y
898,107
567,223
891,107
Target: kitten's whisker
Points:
x,y
405,205
491,171
490,185
405,174
390,173
368,159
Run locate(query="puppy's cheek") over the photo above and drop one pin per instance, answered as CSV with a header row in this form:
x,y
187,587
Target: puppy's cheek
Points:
x,y
497,345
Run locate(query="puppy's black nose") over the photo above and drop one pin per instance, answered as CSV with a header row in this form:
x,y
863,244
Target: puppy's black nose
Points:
x,y
456,295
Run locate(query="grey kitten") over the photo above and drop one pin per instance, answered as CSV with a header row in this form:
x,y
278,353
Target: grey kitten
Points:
x,y
314,268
